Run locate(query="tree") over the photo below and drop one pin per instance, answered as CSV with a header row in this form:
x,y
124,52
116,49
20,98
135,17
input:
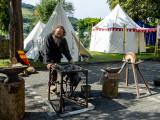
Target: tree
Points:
x,y
15,26
145,10
46,7
86,25
28,6
4,19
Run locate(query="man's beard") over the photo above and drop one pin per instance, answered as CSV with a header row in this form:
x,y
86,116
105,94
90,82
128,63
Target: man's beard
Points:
x,y
57,40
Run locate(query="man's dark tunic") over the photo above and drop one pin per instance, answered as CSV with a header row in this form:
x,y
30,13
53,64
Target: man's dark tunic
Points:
x,y
53,52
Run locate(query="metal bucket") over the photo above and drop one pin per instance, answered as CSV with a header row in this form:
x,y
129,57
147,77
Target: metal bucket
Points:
x,y
86,90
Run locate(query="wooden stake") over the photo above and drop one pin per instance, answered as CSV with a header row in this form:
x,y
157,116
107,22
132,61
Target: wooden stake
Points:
x,y
135,79
14,59
138,68
127,74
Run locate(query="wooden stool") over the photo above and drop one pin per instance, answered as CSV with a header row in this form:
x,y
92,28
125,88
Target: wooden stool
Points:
x,y
130,58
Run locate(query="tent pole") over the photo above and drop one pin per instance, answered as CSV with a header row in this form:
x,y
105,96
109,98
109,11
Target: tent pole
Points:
x,y
149,39
79,59
124,38
156,46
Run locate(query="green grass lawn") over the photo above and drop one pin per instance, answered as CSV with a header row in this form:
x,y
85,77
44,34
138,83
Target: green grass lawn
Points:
x,y
4,62
102,57
96,57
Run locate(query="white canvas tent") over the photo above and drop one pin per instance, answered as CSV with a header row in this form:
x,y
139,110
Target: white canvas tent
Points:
x,y
107,36
59,17
33,36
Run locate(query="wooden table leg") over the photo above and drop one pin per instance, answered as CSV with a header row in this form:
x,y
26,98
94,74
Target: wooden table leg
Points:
x,y
135,79
143,79
87,89
127,74
61,87
49,84
124,64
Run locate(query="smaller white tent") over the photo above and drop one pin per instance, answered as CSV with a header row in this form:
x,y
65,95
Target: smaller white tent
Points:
x,y
107,36
33,36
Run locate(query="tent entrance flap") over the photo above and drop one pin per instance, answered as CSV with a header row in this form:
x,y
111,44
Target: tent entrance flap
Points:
x,y
81,49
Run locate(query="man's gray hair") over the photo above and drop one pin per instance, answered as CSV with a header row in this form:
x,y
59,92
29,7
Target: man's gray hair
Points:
x,y
58,26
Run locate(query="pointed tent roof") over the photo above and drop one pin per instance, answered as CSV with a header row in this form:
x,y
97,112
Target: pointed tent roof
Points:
x,y
59,17
107,35
34,34
117,18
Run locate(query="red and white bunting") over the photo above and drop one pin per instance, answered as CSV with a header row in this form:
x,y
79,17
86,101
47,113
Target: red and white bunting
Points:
x,y
128,29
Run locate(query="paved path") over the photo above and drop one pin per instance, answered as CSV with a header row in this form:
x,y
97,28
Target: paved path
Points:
x,y
125,106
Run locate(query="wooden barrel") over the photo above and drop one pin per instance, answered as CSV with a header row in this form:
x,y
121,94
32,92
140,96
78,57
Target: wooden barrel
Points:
x,y
12,101
110,87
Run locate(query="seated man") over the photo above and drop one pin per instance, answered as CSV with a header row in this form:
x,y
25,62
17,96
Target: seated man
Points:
x,y
54,46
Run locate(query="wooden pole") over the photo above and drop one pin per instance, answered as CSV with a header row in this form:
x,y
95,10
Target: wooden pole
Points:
x,y
156,45
149,39
135,79
124,38
79,59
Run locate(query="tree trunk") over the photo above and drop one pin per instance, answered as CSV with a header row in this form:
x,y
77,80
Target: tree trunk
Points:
x,y
12,101
15,26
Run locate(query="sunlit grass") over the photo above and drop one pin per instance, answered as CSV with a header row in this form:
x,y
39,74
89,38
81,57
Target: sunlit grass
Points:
x,y
4,63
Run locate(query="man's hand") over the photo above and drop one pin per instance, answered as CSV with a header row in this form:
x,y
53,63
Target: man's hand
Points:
x,y
71,61
49,66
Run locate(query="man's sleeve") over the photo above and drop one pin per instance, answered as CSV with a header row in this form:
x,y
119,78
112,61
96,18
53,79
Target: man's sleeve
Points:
x,y
47,50
66,51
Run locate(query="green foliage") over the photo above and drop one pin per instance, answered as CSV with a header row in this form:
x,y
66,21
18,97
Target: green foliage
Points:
x,y
74,22
145,10
28,15
86,25
85,42
29,20
4,15
28,6
46,8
